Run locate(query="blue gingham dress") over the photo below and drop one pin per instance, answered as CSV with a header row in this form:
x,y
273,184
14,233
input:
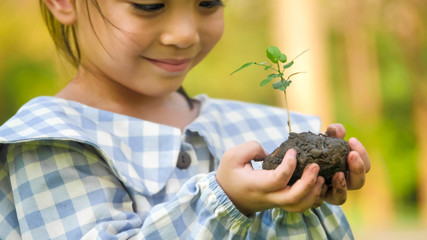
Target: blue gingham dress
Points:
x,y
71,171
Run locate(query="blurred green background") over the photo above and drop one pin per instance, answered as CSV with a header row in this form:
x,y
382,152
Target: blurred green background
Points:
x,y
367,68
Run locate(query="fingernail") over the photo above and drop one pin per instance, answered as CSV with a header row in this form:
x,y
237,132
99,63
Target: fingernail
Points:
x,y
354,141
321,180
314,168
310,165
353,157
292,152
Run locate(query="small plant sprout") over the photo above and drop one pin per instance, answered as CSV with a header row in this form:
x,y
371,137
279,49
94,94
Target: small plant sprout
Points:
x,y
279,64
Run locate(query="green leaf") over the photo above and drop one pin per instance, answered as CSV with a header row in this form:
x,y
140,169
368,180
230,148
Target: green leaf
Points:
x,y
287,84
277,75
288,65
283,58
268,67
269,78
277,85
243,67
265,81
273,53
281,85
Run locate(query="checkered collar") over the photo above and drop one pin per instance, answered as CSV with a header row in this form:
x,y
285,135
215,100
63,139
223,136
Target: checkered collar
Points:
x,y
143,154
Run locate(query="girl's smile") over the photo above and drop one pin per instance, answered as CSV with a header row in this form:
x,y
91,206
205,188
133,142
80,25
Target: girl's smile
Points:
x,y
171,65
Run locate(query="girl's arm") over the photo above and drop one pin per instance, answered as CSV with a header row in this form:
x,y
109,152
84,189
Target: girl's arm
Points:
x,y
65,190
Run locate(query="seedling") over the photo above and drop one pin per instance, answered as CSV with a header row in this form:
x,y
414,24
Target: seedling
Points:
x,y
329,153
278,64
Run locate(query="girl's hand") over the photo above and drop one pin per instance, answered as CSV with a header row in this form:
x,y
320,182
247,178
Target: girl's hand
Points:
x,y
255,190
358,165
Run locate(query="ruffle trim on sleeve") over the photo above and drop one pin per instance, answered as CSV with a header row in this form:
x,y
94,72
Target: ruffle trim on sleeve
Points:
x,y
237,222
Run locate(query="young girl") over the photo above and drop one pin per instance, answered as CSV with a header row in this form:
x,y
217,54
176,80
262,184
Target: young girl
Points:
x,y
122,152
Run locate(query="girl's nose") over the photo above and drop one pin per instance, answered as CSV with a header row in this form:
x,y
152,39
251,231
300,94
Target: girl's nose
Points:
x,y
181,31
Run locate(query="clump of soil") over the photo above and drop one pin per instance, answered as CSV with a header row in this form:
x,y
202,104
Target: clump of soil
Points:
x,y
330,153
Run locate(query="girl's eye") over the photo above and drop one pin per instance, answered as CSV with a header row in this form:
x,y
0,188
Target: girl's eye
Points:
x,y
148,7
211,4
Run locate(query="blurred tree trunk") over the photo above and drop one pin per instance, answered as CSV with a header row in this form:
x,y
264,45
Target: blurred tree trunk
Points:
x,y
412,34
297,26
359,18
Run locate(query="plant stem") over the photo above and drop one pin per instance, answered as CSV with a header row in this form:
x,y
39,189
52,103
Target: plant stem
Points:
x,y
287,111
286,99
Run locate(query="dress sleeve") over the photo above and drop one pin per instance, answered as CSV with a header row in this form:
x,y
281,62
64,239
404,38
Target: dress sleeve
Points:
x,y
326,222
65,190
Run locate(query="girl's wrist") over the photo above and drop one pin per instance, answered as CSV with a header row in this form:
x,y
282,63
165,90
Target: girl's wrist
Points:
x,y
234,211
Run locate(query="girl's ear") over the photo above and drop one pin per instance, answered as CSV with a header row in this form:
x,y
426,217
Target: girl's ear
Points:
x,y
63,10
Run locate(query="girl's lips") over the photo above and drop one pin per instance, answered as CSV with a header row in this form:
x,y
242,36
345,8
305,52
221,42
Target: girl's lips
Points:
x,y
171,65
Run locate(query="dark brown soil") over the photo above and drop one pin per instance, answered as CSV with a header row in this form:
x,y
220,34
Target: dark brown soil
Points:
x,y
329,152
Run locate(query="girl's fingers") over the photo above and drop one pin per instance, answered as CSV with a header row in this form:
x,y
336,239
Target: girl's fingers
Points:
x,y
356,175
273,180
336,130
337,195
312,199
293,195
243,153
283,173
295,200
308,179
355,145
321,198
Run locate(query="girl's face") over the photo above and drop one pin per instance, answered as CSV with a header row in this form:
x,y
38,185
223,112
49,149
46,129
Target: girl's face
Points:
x,y
147,46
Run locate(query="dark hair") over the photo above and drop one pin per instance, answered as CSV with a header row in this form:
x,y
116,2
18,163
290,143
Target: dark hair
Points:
x,y
64,37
